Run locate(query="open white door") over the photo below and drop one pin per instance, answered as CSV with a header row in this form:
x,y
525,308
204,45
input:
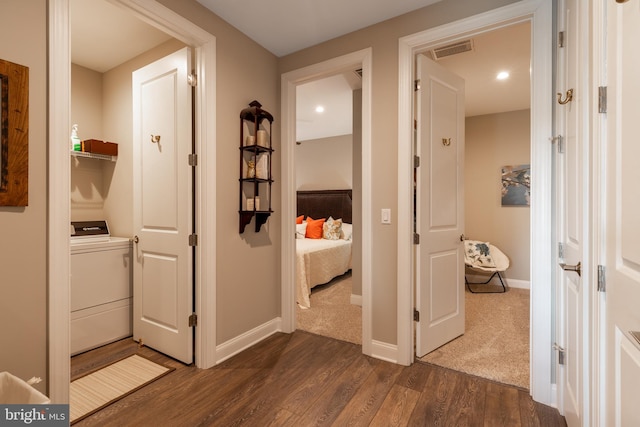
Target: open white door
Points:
x,y
439,206
623,211
572,214
162,197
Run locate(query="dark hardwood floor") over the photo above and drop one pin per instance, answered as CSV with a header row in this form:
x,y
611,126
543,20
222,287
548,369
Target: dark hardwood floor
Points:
x,y
302,379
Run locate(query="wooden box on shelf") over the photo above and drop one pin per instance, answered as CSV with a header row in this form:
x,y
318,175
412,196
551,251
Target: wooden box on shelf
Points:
x,y
96,146
255,166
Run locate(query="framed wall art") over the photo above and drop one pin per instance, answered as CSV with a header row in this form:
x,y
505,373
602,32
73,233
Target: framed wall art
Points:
x,y
14,134
516,185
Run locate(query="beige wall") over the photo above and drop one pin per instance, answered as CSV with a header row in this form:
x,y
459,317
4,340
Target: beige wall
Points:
x,y
101,105
248,273
248,285
23,231
383,39
86,102
493,141
356,271
87,184
324,164
117,98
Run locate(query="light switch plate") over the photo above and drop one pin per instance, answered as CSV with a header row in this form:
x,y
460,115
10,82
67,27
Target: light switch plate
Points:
x,y
386,216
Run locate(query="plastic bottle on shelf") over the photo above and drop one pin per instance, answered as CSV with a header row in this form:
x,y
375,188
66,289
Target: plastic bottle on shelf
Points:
x,y
76,143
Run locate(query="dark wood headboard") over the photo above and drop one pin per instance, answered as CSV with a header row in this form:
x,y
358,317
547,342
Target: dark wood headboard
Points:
x,y
325,203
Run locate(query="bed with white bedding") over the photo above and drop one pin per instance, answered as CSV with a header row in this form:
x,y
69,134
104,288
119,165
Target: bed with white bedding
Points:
x,y
319,260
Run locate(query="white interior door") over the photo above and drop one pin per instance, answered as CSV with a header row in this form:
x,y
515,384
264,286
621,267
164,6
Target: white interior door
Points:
x,y
623,211
439,206
163,273
572,211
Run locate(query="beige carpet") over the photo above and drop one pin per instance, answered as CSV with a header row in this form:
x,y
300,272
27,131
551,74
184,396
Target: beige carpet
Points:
x,y
495,344
496,340
96,390
331,313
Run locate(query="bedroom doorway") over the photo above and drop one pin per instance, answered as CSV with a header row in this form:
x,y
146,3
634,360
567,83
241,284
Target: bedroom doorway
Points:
x,y
497,137
542,306
360,176
328,141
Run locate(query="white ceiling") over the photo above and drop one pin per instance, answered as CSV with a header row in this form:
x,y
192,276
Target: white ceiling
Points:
x,y
104,36
335,95
507,49
286,26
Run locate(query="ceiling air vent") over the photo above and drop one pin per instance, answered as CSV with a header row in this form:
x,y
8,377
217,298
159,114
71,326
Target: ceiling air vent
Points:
x,y
452,49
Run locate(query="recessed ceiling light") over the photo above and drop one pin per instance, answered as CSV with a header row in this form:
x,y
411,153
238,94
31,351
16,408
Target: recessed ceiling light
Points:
x,y
319,109
502,75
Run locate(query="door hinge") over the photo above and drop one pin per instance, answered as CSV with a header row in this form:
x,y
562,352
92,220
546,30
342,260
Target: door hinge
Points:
x,y
193,320
560,250
416,162
416,239
192,79
561,39
416,315
560,140
193,240
602,99
193,159
602,280
416,85
561,353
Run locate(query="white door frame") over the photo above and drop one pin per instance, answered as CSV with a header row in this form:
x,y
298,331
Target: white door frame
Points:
x,y
58,281
539,12
289,82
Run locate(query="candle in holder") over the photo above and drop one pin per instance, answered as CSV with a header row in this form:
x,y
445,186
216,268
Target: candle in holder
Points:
x,y
250,140
262,138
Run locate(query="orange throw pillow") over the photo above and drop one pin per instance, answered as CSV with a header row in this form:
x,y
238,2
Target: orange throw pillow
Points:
x,y
299,219
314,228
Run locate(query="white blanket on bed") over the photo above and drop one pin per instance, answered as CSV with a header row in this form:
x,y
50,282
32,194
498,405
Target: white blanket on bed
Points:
x,y
317,262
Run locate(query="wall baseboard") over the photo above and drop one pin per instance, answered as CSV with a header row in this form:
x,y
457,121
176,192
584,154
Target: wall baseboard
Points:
x,y
511,283
384,351
235,345
356,300
520,284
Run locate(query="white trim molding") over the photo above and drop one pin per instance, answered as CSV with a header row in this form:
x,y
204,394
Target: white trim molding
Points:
x,y
518,284
242,342
59,213
509,283
356,299
289,81
539,12
384,351
204,44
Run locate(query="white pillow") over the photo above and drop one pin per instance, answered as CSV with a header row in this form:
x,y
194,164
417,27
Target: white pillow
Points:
x,y
477,254
347,231
301,230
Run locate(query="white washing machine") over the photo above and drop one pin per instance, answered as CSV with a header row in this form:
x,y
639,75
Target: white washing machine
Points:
x,y
101,286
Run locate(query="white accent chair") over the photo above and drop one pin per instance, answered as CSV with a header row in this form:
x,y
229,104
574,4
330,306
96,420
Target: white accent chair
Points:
x,y
495,262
